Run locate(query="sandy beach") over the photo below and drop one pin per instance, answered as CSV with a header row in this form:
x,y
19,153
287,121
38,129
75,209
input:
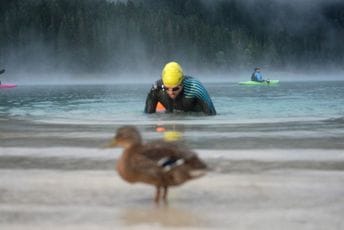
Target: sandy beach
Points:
x,y
245,189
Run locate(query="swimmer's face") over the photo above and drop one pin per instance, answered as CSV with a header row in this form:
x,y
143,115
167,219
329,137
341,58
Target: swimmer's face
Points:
x,y
173,92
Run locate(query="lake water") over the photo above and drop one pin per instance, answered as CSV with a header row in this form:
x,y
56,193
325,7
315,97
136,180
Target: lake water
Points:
x,y
288,115
275,156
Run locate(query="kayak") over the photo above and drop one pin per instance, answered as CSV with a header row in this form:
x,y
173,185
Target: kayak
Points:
x,y
269,82
2,86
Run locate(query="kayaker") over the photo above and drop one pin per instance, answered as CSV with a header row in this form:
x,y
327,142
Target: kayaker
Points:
x,y
178,92
257,75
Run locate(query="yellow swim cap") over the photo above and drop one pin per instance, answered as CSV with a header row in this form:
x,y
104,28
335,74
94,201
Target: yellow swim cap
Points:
x,y
172,74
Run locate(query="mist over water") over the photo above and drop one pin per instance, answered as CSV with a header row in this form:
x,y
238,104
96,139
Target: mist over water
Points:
x,y
294,40
148,79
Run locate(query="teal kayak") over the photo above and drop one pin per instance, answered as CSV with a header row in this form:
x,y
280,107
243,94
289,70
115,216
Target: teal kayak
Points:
x,y
268,82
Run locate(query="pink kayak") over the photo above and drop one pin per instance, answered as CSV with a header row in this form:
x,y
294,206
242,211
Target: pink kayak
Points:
x,y
7,86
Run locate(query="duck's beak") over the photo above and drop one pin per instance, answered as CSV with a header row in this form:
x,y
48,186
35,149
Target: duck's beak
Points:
x,y
111,144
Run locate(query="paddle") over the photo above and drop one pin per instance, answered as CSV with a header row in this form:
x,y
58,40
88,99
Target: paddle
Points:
x,y
2,71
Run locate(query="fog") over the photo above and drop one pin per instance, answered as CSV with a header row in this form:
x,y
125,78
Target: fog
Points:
x,y
207,77
38,60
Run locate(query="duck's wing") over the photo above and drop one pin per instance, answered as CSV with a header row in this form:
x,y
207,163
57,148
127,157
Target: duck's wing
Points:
x,y
160,149
145,169
171,154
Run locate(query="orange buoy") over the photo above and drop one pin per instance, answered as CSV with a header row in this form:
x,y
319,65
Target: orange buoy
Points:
x,y
160,107
160,129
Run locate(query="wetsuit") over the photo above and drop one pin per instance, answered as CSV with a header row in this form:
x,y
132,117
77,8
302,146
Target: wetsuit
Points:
x,y
193,98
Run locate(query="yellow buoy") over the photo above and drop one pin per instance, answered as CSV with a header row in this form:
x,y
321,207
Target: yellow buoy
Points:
x,y
172,136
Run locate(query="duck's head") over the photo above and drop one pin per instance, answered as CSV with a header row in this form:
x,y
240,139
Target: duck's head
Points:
x,y
125,137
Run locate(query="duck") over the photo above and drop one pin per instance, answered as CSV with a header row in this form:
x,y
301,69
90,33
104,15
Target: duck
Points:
x,y
158,163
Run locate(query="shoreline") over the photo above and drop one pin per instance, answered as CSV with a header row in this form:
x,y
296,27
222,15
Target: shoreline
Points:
x,y
224,161
78,188
112,153
319,134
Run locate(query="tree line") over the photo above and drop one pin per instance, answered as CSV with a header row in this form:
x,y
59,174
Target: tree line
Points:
x,y
101,36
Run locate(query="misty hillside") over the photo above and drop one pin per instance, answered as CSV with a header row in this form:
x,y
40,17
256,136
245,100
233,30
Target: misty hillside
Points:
x,y
99,36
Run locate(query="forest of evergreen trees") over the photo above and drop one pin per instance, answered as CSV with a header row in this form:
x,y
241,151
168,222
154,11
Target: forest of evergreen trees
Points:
x,y
103,36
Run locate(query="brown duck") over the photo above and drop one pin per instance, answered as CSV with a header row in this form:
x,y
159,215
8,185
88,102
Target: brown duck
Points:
x,y
159,163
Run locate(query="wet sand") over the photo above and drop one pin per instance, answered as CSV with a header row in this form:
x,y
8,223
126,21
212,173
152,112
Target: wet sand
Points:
x,y
243,190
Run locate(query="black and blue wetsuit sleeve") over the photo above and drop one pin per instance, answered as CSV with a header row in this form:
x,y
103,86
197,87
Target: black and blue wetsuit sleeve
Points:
x,y
206,102
196,90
